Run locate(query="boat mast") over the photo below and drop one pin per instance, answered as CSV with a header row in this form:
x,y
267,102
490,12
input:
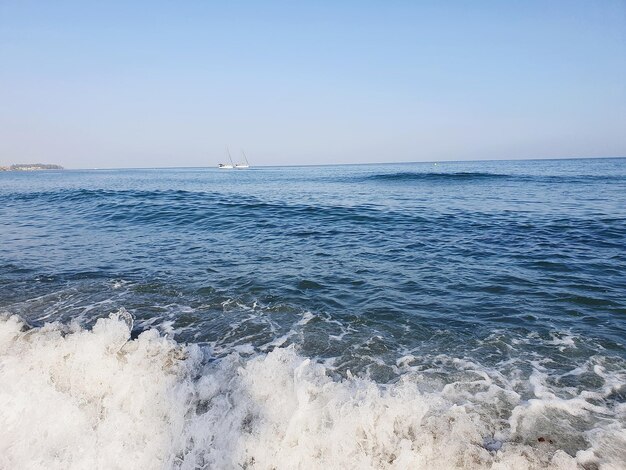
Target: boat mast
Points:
x,y
244,156
229,157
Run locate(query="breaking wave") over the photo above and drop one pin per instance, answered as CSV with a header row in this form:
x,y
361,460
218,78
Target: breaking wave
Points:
x,y
77,398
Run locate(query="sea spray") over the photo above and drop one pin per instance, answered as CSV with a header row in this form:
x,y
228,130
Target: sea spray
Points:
x,y
77,398
73,398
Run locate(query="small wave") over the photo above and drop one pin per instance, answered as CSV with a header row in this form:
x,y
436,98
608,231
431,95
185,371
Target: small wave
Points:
x,y
209,210
82,194
415,176
76,398
485,176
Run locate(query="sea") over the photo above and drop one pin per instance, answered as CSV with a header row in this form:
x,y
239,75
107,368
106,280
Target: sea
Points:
x,y
391,316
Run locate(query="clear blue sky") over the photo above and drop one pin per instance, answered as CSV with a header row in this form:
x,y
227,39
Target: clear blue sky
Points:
x,y
146,84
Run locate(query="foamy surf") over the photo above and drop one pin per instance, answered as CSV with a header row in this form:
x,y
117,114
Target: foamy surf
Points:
x,y
77,398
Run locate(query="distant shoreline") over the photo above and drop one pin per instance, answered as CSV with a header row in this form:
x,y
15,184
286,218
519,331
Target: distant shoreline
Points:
x,y
31,167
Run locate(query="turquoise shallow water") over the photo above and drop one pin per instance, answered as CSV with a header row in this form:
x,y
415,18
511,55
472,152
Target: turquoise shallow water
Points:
x,y
379,271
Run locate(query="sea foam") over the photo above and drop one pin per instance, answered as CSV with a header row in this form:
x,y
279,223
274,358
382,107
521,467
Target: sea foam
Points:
x,y
74,398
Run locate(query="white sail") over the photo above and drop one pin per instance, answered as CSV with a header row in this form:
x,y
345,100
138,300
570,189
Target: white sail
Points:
x,y
243,165
227,166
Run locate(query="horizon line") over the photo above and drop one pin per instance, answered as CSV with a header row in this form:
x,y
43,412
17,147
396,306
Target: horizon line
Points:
x,y
329,164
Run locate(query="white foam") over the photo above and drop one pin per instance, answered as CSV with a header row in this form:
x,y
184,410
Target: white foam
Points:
x,y
73,398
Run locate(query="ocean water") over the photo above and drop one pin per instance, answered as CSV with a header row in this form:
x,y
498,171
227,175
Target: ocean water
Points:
x,y
435,316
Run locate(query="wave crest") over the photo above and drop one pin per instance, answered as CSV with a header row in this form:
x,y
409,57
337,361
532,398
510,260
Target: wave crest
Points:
x,y
426,177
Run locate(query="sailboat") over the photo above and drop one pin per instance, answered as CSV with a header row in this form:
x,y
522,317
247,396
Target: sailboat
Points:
x,y
243,165
227,166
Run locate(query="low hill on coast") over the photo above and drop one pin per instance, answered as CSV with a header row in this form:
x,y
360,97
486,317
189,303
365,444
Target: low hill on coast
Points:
x,y
30,167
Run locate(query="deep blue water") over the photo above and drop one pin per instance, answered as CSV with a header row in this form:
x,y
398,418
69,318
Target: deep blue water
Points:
x,y
518,268
417,255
